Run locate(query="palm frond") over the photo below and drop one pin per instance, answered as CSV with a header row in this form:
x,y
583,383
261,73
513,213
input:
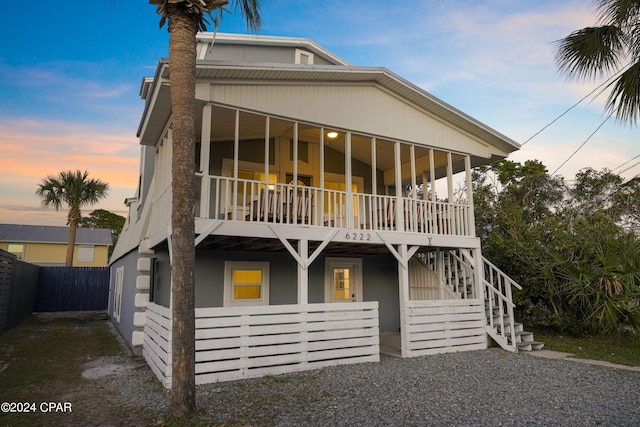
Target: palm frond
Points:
x,y
621,12
590,52
624,100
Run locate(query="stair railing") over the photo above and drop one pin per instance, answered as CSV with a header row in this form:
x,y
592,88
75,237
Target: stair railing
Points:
x,y
497,287
459,274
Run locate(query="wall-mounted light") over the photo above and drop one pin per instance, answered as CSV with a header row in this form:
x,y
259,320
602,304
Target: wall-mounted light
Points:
x,y
332,135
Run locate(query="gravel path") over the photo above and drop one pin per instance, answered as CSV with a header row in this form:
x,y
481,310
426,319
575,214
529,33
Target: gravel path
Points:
x,y
480,388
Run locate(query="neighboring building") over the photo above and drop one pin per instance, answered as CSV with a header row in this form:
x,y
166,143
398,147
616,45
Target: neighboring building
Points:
x,y
329,217
47,245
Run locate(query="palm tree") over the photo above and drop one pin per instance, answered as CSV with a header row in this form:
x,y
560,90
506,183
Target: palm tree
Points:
x,y
611,49
74,190
185,18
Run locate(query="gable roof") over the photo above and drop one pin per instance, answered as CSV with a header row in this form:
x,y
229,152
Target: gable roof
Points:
x,y
53,234
158,104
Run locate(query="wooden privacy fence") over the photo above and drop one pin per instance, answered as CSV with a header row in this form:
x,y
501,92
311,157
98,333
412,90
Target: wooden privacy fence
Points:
x,y
73,289
18,283
243,342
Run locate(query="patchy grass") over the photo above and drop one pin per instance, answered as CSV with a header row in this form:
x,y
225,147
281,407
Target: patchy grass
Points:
x,y
615,350
42,360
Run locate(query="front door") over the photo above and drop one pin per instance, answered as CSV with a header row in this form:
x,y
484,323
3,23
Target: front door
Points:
x,y
343,279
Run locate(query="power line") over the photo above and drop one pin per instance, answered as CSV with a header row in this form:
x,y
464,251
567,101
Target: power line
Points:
x,y
626,163
630,167
582,145
578,103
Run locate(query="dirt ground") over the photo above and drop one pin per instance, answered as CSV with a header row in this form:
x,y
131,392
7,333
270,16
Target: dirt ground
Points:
x,y
66,369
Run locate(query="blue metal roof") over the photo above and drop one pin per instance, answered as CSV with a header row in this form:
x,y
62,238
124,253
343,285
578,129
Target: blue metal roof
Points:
x,y
53,234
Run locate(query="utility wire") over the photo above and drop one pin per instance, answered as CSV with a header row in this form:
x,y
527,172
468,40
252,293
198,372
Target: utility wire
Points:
x,y
578,103
630,167
582,145
626,163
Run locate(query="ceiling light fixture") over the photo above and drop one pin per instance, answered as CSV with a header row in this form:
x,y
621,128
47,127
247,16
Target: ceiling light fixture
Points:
x,y
332,134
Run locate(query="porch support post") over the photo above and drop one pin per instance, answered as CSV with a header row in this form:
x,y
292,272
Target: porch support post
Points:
x,y
398,170
205,150
478,269
267,148
350,209
403,282
374,161
236,153
320,199
452,227
303,272
471,213
432,175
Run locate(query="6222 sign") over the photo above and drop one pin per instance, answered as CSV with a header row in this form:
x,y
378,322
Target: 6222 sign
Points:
x,y
358,236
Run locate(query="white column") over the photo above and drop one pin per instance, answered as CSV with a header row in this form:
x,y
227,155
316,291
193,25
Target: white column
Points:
x,y
303,272
452,227
205,150
471,217
479,272
320,198
267,148
398,170
349,180
403,282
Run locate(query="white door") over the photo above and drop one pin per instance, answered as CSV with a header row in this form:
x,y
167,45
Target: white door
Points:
x,y
343,279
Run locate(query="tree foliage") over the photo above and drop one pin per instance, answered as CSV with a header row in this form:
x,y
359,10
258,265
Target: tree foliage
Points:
x,y
101,218
72,190
573,247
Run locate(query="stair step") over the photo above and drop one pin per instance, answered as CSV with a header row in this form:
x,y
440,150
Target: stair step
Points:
x,y
529,345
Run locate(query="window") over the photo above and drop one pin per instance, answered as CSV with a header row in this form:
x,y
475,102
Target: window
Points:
x,y
17,249
85,253
246,283
117,294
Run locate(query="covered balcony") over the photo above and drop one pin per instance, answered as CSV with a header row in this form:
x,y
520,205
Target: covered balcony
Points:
x,y
258,169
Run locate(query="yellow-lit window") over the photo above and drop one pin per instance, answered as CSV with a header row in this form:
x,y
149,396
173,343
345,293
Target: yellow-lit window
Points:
x,y
341,284
246,283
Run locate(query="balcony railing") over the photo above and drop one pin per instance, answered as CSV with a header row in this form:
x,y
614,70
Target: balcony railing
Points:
x,y
256,201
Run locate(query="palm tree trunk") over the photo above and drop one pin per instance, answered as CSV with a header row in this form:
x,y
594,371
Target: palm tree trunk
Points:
x,y
73,218
182,53
73,225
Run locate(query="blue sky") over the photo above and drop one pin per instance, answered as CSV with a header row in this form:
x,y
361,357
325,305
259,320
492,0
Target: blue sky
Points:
x,y
70,79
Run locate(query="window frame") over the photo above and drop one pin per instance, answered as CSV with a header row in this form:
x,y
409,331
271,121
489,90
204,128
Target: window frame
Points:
x,y
229,267
117,293
18,255
83,253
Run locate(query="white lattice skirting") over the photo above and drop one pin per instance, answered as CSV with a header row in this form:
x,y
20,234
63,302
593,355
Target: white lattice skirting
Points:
x,y
246,342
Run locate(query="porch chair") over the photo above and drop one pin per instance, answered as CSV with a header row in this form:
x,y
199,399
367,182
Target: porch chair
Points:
x,y
268,206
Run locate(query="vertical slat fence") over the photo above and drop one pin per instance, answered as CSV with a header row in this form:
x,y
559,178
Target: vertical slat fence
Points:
x,y
73,289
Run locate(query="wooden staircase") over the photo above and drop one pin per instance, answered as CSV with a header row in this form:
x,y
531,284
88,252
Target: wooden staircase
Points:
x,y
460,272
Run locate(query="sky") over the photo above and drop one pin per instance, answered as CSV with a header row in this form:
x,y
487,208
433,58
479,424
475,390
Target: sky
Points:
x,y
70,80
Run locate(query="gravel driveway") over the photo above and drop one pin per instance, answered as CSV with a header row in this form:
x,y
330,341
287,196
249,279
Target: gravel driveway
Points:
x,y
481,388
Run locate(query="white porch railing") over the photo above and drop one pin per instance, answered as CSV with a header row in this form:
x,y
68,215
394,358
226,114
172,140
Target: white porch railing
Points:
x,y
243,342
256,201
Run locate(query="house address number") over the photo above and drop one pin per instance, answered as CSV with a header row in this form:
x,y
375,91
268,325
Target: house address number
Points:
x,y
358,236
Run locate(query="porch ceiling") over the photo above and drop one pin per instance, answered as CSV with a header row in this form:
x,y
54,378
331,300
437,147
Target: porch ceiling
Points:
x,y
248,244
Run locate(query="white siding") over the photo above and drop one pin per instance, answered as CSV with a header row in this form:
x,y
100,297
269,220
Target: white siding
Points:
x,y
362,108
